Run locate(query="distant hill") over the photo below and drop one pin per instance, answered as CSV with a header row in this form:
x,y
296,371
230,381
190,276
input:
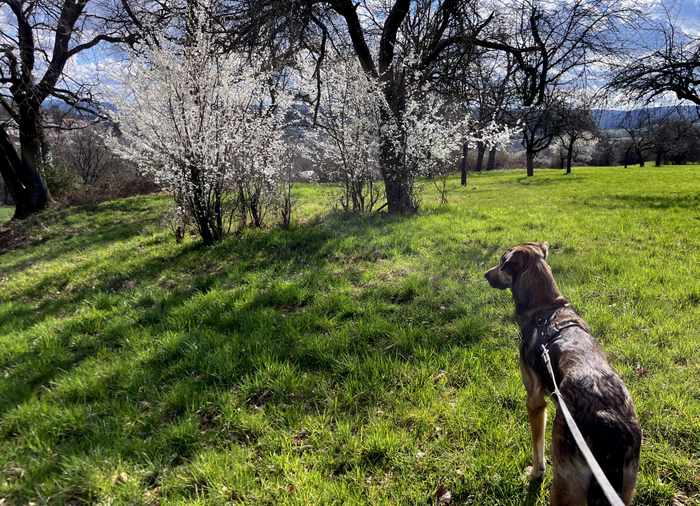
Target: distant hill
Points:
x,y
52,103
611,119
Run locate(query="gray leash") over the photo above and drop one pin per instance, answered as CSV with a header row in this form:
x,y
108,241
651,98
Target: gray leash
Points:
x,y
598,473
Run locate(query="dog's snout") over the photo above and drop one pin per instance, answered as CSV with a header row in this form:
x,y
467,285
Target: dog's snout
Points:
x,y
496,278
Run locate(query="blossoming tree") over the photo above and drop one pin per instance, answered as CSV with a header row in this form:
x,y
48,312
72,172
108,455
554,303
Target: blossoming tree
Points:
x,y
430,133
205,125
343,142
352,126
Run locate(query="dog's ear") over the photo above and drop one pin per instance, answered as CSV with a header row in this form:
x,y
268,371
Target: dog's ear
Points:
x,y
515,262
544,246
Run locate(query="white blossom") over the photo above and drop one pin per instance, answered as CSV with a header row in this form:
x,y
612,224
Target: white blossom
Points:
x,y
201,123
344,141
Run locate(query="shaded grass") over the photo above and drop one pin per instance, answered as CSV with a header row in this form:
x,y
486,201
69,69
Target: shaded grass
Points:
x,y
6,213
347,360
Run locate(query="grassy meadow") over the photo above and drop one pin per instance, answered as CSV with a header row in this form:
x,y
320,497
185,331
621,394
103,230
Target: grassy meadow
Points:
x,y
349,360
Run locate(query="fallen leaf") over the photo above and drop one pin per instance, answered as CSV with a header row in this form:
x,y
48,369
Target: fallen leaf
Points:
x,y
443,495
120,478
300,437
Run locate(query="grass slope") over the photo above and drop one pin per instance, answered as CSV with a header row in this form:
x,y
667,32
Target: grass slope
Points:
x,y
348,360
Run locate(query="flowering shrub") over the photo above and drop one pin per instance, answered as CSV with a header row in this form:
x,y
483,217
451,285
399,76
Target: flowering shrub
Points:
x,y
345,139
206,126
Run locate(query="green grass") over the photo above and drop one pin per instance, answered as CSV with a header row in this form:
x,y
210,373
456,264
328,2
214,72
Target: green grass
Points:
x,y
348,360
5,213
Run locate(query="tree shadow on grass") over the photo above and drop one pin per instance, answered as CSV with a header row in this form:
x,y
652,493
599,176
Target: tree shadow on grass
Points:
x,y
56,233
272,319
660,202
534,488
547,181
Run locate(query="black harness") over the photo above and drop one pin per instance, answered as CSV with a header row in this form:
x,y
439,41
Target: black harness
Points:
x,y
549,327
545,330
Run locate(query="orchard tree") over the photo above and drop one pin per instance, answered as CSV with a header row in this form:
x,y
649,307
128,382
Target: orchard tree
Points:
x,y
575,123
37,44
488,88
404,44
675,140
432,129
207,126
346,128
559,42
639,126
665,61
540,125
351,123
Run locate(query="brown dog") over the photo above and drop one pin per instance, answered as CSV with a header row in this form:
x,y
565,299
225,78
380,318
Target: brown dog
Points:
x,y
594,393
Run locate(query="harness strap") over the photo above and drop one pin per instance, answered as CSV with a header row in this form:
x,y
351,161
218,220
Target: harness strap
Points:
x,y
595,468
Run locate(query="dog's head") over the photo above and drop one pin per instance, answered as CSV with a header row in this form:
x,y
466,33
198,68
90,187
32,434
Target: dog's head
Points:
x,y
514,262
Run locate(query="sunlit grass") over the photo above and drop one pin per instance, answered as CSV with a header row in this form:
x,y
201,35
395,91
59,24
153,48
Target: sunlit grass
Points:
x,y
347,360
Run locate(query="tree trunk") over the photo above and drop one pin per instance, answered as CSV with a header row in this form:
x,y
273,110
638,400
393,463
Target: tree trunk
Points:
x,y
31,135
530,156
23,180
659,158
569,157
398,182
200,207
398,195
6,197
491,164
463,165
480,152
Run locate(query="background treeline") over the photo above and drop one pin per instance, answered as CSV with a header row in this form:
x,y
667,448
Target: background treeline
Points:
x,y
85,170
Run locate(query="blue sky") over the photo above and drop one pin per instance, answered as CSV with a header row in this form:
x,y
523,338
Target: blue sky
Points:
x,y
687,13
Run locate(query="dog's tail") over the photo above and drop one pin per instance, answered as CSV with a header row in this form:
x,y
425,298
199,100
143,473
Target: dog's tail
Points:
x,y
618,456
614,473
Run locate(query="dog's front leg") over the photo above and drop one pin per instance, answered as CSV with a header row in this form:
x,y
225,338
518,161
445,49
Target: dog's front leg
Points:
x,y
537,416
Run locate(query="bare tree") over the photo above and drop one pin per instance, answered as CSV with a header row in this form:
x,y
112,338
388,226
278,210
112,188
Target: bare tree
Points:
x,y
567,37
540,125
674,139
639,126
671,66
32,70
574,123
84,150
